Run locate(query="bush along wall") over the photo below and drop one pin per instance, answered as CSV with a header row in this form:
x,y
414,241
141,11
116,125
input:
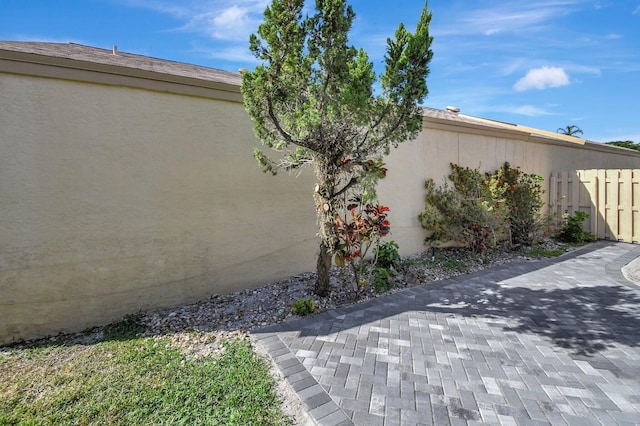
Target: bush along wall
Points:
x,y
480,211
523,195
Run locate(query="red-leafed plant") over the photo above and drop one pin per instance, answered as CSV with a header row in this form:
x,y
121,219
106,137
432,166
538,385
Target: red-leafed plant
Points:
x,y
359,230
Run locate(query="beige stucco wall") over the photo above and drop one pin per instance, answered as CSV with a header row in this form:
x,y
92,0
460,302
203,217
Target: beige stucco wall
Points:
x,y
430,155
116,199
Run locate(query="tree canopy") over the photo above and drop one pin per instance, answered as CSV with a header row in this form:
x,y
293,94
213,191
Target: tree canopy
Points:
x,y
625,144
312,102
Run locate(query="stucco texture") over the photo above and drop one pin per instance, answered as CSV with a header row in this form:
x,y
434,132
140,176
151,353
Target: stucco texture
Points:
x,y
430,155
116,200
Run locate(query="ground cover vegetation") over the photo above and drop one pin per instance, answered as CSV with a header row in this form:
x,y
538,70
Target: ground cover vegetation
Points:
x,y
126,379
312,102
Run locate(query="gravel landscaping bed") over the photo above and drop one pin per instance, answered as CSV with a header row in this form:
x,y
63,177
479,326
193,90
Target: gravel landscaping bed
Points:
x,y
201,327
272,303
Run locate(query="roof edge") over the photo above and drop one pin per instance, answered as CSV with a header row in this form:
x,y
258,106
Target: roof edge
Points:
x,y
492,127
66,68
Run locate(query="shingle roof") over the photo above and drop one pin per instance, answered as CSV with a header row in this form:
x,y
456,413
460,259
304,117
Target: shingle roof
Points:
x,y
79,52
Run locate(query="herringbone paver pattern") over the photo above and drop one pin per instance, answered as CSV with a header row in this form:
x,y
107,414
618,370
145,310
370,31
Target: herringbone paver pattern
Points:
x,y
545,342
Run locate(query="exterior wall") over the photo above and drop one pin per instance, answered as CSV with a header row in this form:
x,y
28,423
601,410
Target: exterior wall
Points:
x,y
115,199
437,146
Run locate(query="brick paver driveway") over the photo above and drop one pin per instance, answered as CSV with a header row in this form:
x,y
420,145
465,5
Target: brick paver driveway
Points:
x,y
541,342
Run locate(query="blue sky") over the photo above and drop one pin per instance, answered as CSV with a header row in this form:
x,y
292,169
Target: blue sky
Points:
x,y
544,64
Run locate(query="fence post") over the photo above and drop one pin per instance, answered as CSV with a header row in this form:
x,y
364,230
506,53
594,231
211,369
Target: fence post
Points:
x,y
635,201
564,190
603,230
553,194
625,205
589,180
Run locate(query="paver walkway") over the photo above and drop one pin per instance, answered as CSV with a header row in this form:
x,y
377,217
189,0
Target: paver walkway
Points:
x,y
541,342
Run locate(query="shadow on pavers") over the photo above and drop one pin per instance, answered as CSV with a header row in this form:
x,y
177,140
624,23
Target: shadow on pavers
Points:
x,y
584,320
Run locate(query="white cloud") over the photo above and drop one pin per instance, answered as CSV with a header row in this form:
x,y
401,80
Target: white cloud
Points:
x,y
218,19
232,23
582,69
527,110
231,53
515,16
531,111
636,11
542,78
511,67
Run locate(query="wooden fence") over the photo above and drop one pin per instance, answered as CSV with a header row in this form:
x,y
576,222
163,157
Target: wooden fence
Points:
x,y
610,197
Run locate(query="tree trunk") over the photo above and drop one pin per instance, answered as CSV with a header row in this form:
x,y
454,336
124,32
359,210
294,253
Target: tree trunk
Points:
x,y
323,271
325,172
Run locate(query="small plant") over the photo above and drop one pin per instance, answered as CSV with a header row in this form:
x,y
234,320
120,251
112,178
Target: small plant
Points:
x,y
548,227
357,232
128,328
572,230
452,260
541,252
454,265
388,256
304,307
382,280
478,211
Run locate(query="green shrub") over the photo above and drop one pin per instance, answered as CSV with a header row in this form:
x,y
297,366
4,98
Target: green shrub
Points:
x,y
478,211
382,280
303,307
572,230
472,212
388,256
523,195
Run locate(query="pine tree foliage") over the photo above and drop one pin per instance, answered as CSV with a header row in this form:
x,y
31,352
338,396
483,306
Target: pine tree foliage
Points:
x,y
312,102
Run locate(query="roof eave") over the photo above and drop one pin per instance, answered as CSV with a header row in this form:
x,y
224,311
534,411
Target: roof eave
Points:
x,y
471,124
27,63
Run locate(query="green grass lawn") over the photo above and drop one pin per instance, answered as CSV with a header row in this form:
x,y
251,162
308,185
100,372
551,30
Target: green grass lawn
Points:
x,y
128,380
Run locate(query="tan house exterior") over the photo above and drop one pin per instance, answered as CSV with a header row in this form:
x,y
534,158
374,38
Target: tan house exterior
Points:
x,y
127,183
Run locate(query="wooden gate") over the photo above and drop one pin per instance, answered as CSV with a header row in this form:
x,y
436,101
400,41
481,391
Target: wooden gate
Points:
x,y
610,197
